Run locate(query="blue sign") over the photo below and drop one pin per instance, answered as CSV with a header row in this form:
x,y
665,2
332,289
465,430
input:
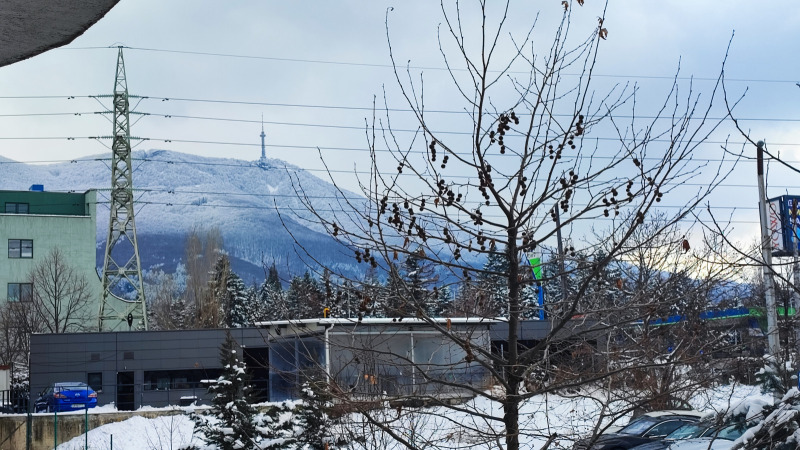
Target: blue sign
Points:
x,y
783,215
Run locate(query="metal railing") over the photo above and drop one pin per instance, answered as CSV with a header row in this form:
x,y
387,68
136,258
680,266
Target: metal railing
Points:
x,y
14,401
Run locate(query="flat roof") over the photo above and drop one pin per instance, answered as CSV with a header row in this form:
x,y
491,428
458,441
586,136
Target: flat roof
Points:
x,y
379,321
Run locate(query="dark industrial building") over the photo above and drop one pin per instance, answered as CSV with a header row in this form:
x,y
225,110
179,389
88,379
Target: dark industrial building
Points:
x,y
363,358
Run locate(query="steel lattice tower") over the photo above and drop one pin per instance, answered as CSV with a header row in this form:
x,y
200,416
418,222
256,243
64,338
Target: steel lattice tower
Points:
x,y
123,300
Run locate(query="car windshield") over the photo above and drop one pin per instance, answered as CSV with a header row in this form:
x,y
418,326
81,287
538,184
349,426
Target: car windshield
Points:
x,y
731,432
689,431
639,426
71,386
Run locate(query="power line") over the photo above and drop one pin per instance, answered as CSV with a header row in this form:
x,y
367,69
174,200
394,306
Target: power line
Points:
x,y
432,68
327,197
246,164
319,106
333,210
52,114
228,119
365,149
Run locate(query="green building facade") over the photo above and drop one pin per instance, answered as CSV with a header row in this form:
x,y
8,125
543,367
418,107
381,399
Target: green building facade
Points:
x,y
34,222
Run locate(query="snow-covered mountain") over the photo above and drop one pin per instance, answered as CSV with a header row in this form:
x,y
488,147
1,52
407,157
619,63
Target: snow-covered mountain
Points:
x,y
176,192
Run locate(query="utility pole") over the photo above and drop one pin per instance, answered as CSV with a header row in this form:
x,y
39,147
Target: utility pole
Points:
x,y
773,335
123,293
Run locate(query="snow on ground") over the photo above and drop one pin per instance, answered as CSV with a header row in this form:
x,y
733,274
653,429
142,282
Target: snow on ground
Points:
x,y
540,417
139,433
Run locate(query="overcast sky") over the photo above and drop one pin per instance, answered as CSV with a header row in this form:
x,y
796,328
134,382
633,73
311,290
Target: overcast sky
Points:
x,y
313,68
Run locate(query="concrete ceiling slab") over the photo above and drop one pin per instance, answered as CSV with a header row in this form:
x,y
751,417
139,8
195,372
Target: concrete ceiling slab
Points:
x,y
30,27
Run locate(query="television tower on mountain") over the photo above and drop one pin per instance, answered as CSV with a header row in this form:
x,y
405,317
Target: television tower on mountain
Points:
x,y
263,161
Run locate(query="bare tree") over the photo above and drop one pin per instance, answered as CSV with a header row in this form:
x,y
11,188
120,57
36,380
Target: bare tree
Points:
x,y
61,298
167,308
15,328
203,248
546,158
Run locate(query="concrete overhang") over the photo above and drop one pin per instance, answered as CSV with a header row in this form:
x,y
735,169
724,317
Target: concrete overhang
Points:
x,y
31,27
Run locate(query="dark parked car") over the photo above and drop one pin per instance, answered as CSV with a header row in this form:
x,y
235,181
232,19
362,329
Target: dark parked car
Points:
x,y
66,396
641,430
703,429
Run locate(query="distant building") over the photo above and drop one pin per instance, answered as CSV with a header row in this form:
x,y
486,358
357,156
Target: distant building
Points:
x,y
363,359
34,222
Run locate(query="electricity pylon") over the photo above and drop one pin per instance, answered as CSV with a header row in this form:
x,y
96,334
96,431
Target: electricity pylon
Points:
x,y
123,300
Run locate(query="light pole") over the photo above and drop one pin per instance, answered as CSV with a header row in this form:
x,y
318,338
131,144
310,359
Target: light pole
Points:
x,y
773,336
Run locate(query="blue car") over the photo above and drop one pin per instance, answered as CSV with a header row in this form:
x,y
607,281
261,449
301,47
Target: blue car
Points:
x,y
66,396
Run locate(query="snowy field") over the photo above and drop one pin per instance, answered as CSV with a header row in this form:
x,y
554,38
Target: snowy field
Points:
x,y
438,427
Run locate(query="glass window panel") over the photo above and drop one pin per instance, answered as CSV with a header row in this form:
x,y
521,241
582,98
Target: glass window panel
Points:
x,y
14,248
26,248
16,208
25,292
13,292
19,292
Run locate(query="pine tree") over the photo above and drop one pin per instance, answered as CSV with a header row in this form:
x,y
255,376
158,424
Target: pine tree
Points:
x,y
771,427
438,302
238,304
410,287
373,297
273,280
304,299
394,299
231,421
469,300
494,284
312,415
269,302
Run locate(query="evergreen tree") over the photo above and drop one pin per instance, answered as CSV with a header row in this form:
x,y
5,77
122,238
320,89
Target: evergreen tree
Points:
x,y
272,279
373,298
268,302
230,294
394,298
304,299
470,301
494,285
770,427
232,422
410,287
238,301
438,302
312,416
345,303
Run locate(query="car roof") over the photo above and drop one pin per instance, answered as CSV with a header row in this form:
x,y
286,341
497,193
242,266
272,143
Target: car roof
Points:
x,y
675,412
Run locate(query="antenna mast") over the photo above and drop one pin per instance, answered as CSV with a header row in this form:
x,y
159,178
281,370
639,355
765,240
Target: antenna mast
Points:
x,y
263,159
123,300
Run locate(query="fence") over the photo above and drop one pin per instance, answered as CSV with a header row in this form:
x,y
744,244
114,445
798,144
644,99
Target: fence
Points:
x,y
14,400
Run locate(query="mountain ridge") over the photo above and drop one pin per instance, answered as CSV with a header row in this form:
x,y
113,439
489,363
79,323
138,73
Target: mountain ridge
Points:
x,y
251,202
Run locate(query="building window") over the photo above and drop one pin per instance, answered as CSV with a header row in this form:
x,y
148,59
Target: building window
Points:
x,y
161,380
20,292
20,248
95,381
16,208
